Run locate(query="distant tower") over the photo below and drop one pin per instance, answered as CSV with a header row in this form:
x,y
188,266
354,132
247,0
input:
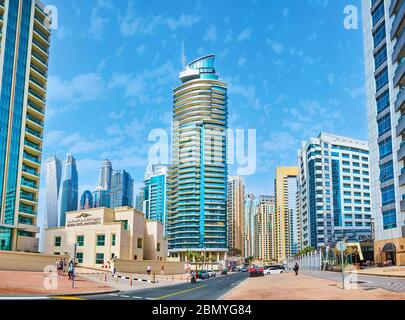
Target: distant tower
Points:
x,y
86,201
69,190
105,175
53,173
122,189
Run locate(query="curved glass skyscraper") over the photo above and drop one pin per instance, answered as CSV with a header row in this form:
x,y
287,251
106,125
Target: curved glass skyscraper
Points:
x,y
53,177
105,175
198,175
69,189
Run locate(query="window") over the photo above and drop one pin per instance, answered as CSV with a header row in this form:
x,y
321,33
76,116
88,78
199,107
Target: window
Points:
x,y
58,241
379,35
113,239
135,257
80,241
99,258
386,171
126,226
79,257
380,57
100,240
140,243
355,157
158,247
378,13
389,219
385,148
388,195
383,101
384,124
381,79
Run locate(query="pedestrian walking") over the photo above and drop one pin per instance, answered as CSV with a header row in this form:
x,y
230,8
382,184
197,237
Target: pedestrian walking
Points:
x,y
70,270
148,269
296,268
162,270
57,267
64,266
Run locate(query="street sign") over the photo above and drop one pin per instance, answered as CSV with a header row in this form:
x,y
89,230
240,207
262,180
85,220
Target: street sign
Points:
x,y
341,246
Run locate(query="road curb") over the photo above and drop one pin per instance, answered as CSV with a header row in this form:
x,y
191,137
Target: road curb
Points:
x,y
379,275
84,294
135,279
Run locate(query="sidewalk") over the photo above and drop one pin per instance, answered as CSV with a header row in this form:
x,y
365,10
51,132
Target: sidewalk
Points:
x,y
17,283
290,287
384,272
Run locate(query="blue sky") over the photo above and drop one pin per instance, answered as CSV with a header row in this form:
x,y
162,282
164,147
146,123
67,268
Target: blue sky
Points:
x,y
293,70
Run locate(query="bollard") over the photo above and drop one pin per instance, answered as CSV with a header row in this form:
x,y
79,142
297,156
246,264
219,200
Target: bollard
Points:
x,y
172,278
154,277
130,281
105,277
101,277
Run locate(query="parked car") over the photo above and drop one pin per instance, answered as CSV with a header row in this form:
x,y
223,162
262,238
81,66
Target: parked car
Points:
x,y
279,266
273,270
256,271
243,269
202,274
211,273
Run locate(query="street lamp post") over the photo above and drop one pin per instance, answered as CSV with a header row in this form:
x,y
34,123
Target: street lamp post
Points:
x,y
74,260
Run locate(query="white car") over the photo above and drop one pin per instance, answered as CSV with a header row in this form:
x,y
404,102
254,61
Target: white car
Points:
x,y
273,270
211,273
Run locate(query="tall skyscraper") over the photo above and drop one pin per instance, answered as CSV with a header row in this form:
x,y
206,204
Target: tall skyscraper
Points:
x,y
122,190
155,194
384,43
101,198
235,214
106,175
264,232
69,191
24,45
198,175
86,200
335,197
251,204
285,228
53,176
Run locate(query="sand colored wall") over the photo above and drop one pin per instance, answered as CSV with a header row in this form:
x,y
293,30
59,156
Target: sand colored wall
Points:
x,y
400,246
128,266
22,261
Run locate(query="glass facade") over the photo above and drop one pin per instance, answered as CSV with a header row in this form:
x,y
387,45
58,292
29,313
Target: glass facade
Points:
x,y
20,126
53,177
69,189
197,182
86,200
122,190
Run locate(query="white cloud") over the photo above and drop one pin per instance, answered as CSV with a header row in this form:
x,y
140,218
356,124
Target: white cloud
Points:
x,y
141,49
245,35
211,34
277,47
97,22
241,61
286,12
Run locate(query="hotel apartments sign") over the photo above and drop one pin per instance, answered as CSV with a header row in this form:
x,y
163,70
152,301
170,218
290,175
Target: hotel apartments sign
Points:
x,y
84,219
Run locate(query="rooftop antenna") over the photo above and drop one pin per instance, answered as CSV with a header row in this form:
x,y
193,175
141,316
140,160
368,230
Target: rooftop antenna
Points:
x,y
183,56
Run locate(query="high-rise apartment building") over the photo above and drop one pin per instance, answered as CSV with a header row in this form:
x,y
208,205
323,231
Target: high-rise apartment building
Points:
x,y
335,197
286,217
198,175
69,190
264,229
106,175
140,196
250,208
86,200
235,215
53,177
24,52
384,45
122,190
155,194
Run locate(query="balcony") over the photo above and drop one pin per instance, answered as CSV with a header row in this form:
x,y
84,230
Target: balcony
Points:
x,y
40,87
401,152
31,158
35,120
399,103
27,210
33,146
30,171
41,47
37,135
37,110
29,184
401,125
398,23
394,6
41,73
399,48
28,197
399,78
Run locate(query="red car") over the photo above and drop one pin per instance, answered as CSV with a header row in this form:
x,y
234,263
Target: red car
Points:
x,y
256,271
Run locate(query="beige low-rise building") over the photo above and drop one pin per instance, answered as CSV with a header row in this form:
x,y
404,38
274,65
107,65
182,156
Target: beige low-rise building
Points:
x,y
104,234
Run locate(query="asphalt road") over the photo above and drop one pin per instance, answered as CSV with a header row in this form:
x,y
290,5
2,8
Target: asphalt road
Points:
x,y
388,283
211,289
